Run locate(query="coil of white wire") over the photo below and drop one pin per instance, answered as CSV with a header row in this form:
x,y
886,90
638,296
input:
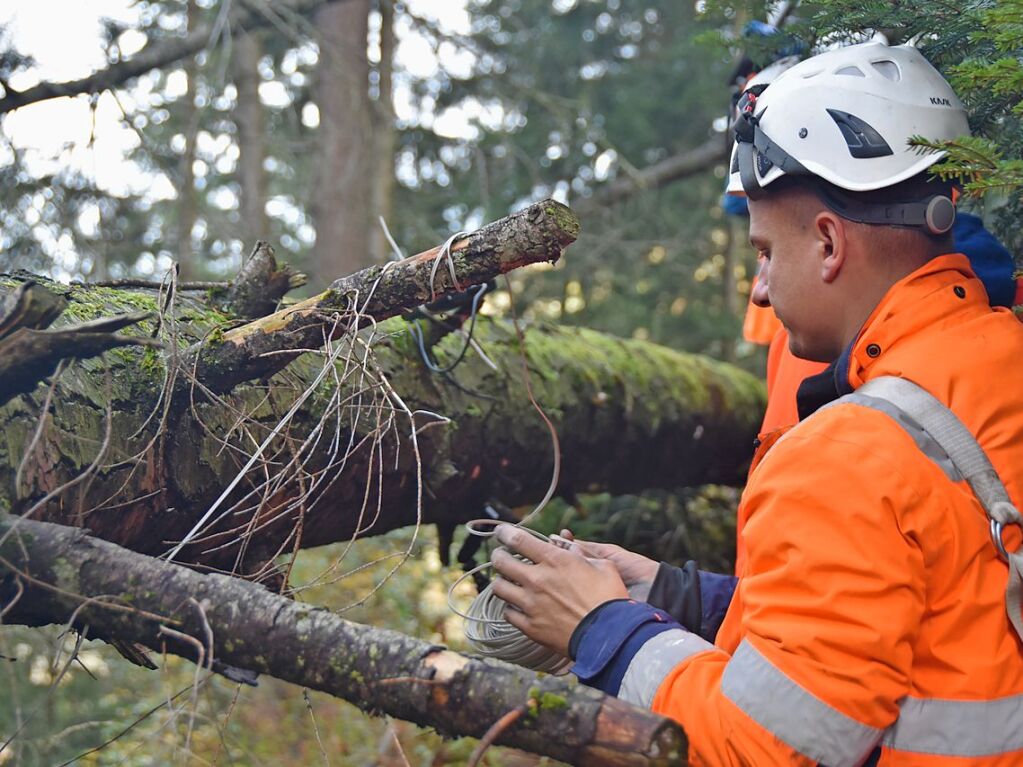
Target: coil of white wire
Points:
x,y
491,636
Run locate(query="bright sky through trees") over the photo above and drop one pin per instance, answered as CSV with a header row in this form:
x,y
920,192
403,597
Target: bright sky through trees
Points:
x,y
65,132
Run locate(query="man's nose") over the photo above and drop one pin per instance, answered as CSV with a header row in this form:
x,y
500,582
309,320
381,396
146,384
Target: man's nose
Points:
x,y
758,293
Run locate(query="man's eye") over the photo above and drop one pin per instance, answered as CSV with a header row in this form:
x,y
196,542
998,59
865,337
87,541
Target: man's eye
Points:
x,y
764,253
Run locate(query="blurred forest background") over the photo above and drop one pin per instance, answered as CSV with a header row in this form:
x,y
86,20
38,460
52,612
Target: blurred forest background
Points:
x,y
307,123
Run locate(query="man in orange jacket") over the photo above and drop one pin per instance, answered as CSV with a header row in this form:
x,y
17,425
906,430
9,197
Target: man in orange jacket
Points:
x,y
871,622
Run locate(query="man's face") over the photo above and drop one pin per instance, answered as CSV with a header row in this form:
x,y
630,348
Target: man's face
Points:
x,y
781,228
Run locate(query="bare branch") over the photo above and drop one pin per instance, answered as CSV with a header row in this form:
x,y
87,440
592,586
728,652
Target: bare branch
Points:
x,y
674,168
151,57
538,233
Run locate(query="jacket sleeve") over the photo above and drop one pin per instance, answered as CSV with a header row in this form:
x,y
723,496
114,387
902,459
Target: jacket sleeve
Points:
x,y
830,596
697,599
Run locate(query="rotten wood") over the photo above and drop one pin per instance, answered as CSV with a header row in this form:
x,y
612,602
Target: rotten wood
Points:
x,y
122,595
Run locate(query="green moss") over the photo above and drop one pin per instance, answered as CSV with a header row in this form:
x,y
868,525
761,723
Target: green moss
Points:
x,y
551,701
567,220
150,360
66,575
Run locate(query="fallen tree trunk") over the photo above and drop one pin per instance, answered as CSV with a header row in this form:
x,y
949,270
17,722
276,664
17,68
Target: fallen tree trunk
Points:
x,y
54,574
360,437
629,416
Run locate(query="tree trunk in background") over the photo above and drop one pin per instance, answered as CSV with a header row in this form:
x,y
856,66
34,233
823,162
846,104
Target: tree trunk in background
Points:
x,y
187,206
342,204
383,136
251,127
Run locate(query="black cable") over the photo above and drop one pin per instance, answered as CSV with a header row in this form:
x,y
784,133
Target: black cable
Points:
x,y
417,334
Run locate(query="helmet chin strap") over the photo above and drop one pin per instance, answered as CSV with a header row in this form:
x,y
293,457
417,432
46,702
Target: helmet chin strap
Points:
x,y
749,137
935,215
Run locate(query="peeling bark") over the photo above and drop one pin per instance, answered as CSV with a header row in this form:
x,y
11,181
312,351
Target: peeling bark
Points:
x,y
122,595
539,233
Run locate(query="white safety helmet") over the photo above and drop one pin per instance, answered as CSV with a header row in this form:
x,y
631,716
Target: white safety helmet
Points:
x,y
771,72
846,116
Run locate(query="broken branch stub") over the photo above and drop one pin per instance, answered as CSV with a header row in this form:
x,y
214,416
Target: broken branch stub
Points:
x,y
30,352
127,596
538,233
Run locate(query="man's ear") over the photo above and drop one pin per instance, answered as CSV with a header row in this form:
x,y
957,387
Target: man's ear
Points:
x,y
831,233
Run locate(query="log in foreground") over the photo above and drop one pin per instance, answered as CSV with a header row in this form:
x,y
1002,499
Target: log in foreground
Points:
x,y
66,573
538,233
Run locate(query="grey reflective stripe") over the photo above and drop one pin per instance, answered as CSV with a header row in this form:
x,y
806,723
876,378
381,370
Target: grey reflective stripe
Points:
x,y
921,407
793,715
927,444
958,727
654,661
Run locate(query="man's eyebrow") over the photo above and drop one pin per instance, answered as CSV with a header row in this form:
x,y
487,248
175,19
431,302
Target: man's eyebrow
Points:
x,y
756,242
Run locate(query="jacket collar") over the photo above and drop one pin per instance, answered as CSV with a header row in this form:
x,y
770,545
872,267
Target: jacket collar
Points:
x,y
927,297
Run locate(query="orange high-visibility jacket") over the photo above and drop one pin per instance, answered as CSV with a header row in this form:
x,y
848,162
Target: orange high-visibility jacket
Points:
x,y
785,372
871,608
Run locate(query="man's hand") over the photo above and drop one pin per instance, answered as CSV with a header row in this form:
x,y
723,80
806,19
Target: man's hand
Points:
x,y
549,598
636,571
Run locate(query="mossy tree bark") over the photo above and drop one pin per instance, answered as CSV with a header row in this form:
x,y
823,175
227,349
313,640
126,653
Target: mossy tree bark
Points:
x,y
629,416
360,437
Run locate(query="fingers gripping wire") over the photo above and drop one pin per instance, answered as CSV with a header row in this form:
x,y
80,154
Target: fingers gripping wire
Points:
x,y
486,628
490,634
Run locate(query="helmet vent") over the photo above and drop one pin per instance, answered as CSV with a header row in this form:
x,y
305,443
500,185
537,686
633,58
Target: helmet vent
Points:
x,y
860,136
889,70
850,72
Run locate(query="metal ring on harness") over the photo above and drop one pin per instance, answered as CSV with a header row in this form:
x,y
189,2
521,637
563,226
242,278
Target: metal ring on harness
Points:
x,y
997,528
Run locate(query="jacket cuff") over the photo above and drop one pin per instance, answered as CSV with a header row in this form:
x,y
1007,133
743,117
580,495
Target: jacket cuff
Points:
x,y
697,599
609,636
716,592
676,590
